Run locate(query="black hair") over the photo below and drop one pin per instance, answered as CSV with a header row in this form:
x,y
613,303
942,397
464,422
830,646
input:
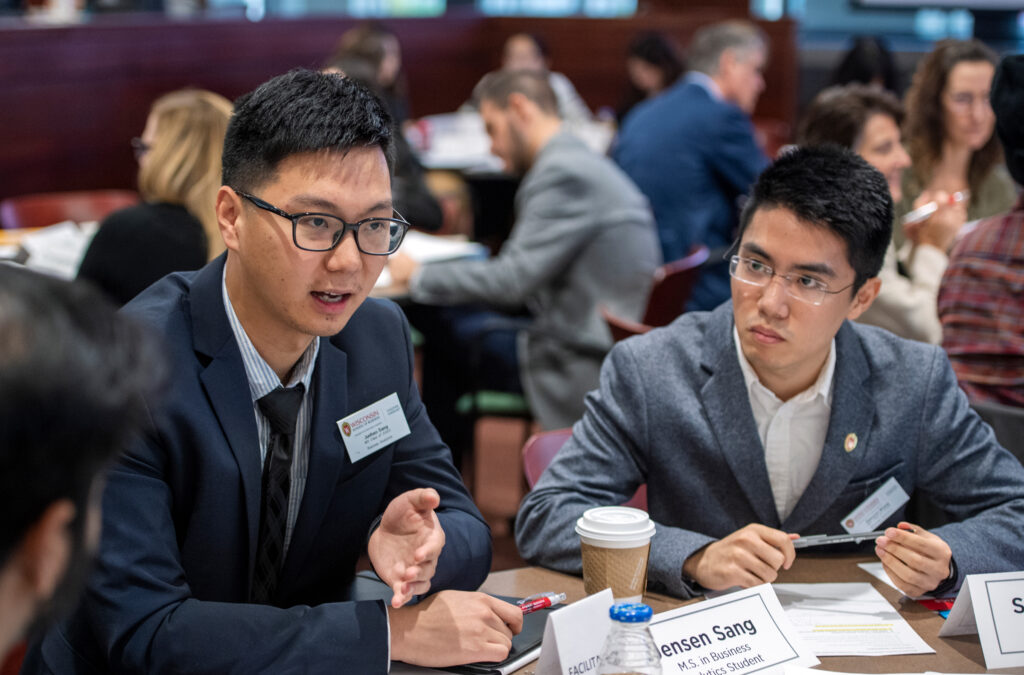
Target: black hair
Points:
x,y
497,86
74,380
1008,105
833,188
301,111
868,61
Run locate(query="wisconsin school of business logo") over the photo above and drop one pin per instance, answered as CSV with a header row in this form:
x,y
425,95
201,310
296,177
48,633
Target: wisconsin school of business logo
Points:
x,y
346,428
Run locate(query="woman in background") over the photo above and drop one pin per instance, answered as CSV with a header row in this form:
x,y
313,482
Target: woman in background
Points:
x,y
179,175
378,45
653,64
867,119
949,132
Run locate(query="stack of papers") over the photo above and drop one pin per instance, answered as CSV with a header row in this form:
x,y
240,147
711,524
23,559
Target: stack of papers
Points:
x,y
848,620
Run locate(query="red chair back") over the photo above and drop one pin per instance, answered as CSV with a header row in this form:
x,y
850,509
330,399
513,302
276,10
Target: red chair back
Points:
x,y
673,283
622,328
541,448
40,210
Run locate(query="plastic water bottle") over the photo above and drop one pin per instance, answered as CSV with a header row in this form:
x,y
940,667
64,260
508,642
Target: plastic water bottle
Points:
x,y
629,648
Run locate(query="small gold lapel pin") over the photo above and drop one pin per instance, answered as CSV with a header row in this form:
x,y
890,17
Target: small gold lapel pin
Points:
x,y
850,444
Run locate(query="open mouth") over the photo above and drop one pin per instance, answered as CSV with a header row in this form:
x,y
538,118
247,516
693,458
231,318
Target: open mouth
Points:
x,y
330,298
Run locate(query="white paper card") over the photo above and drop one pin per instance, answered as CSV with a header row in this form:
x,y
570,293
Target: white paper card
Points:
x,y
873,511
574,636
742,632
993,606
379,424
850,619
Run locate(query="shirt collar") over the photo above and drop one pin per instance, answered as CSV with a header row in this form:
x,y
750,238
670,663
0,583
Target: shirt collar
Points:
x,y
704,81
822,386
262,378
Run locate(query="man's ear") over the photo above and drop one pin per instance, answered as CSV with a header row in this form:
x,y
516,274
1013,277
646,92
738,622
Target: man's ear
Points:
x,y
521,107
864,297
229,216
42,558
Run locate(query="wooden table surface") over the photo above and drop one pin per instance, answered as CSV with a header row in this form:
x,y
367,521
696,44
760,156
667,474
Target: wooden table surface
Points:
x,y
952,655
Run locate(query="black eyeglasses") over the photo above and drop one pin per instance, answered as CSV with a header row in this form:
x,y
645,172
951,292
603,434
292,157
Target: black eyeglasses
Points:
x,y
323,231
139,147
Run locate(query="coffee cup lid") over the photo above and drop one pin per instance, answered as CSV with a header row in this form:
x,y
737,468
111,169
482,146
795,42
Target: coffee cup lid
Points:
x,y
615,523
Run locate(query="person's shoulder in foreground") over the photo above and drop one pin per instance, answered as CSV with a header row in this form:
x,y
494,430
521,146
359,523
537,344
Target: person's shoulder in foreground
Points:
x,y
210,563
73,376
694,411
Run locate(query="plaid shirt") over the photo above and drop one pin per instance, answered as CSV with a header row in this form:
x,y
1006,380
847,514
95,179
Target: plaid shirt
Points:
x,y
981,306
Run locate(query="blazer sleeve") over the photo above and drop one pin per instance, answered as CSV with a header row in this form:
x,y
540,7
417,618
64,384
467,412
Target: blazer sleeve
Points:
x,y
603,463
733,152
145,619
554,221
965,471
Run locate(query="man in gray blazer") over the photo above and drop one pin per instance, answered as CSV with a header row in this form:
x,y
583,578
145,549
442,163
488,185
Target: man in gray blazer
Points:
x,y
583,236
774,415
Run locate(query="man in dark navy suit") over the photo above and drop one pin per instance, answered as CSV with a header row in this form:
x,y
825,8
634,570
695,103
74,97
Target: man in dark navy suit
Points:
x,y
293,438
692,151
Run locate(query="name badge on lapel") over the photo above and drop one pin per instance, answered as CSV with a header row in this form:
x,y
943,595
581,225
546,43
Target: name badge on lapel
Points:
x,y
873,511
379,424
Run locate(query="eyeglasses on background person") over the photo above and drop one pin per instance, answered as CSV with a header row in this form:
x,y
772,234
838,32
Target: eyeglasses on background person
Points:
x,y
797,286
323,231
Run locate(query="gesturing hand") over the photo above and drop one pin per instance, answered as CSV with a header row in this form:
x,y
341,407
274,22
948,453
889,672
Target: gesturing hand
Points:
x,y
749,556
916,560
404,548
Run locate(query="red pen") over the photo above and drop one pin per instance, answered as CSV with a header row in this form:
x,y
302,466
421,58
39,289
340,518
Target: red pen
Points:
x,y
540,601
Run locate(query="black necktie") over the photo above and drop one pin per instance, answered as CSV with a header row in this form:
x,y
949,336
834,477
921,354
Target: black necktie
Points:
x,y
280,407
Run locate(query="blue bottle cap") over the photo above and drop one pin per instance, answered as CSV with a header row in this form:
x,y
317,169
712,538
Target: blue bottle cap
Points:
x,y
630,612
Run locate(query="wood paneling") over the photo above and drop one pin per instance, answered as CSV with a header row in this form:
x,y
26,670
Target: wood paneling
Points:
x,y
75,95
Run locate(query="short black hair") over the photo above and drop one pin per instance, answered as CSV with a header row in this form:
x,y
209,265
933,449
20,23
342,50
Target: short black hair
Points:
x,y
301,111
497,86
833,188
74,381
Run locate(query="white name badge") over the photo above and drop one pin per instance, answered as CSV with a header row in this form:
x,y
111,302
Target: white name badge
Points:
x,y
742,632
379,424
873,511
991,605
574,636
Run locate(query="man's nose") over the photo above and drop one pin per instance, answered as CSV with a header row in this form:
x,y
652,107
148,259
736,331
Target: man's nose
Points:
x,y
774,300
346,255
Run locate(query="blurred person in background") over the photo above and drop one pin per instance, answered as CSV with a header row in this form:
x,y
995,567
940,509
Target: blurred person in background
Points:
x,y
981,300
867,120
869,62
949,133
529,51
73,375
378,45
175,229
653,63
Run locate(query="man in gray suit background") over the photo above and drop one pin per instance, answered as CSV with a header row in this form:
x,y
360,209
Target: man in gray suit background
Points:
x,y
774,415
583,235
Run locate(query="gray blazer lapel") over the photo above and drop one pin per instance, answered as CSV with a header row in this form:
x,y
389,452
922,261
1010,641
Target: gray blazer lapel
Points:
x,y
226,384
732,420
852,412
327,453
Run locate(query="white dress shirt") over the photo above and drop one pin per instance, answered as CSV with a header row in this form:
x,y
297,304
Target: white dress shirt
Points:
x,y
792,432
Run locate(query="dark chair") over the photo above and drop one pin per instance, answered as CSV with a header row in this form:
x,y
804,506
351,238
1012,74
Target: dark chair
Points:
x,y
1008,424
541,448
47,208
673,283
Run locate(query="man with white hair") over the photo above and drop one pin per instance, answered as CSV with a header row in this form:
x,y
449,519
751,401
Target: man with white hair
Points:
x,y
692,151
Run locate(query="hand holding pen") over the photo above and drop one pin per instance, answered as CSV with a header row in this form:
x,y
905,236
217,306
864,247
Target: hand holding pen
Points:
x,y
937,219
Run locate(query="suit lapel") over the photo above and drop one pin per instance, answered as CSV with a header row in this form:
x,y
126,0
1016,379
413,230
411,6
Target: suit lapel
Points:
x,y
852,412
728,408
327,455
227,386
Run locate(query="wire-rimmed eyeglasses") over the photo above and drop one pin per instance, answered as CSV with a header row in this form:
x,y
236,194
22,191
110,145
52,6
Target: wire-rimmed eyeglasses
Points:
x,y
323,232
797,286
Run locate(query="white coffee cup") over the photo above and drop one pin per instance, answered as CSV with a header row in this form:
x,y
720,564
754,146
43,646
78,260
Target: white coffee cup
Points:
x,y
615,542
